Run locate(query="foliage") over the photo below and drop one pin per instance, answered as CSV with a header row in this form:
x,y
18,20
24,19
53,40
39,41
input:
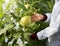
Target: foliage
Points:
x,y
11,11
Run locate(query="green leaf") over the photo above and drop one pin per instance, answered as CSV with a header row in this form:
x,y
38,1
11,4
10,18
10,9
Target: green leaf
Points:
x,y
1,10
8,7
0,2
9,26
26,36
22,6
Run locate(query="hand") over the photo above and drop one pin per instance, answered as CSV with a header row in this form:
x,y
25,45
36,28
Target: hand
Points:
x,y
36,17
34,36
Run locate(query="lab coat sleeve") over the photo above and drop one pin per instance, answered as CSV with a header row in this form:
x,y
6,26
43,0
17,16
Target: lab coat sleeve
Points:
x,y
54,26
55,8
49,31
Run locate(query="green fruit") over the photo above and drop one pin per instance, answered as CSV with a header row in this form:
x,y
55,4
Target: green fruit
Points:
x,y
25,21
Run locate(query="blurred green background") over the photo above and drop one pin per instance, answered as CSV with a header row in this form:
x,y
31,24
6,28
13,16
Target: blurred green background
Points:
x,y
11,11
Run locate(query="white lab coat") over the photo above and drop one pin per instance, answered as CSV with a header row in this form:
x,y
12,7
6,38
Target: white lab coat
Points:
x,y
52,32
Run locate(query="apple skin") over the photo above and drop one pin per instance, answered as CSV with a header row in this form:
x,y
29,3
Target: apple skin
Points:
x,y
25,21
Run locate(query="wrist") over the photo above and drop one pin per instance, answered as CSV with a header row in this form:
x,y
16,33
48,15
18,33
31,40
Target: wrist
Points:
x,y
34,36
44,17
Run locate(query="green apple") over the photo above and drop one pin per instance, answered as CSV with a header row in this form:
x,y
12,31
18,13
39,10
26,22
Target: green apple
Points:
x,y
25,21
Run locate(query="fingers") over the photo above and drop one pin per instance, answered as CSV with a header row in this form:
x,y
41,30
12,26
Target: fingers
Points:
x,y
34,18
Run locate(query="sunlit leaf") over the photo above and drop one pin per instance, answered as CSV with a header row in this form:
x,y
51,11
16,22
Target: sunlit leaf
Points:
x,y
5,29
1,10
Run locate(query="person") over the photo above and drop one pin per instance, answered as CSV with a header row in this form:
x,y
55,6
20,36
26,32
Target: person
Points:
x,y
52,32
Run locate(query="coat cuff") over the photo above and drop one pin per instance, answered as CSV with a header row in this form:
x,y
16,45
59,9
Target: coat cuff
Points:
x,y
48,17
41,35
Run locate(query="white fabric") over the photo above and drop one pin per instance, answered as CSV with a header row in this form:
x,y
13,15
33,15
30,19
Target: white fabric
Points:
x,y
49,17
57,1
52,32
